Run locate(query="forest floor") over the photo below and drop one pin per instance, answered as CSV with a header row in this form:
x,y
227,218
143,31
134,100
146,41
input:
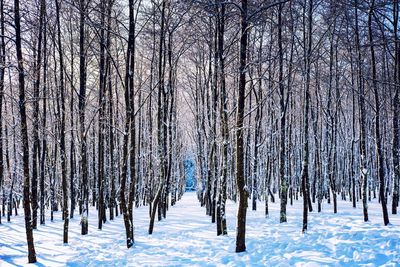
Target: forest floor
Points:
x,y
187,237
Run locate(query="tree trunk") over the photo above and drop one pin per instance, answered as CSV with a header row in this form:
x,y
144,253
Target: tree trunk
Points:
x,y
361,100
72,152
161,134
240,179
307,61
35,131
82,104
131,85
24,135
62,129
396,111
2,71
224,121
283,178
126,210
379,151
102,90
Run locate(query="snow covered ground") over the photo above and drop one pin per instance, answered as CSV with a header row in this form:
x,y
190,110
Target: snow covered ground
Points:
x,y
188,238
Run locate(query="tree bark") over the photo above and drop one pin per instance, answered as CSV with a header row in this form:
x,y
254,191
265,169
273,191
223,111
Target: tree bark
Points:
x,y
379,151
62,129
24,134
307,61
396,111
240,179
224,121
361,100
284,181
102,90
161,134
2,71
127,213
81,105
35,132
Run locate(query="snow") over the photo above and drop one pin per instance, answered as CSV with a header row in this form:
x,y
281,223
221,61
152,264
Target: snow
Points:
x,y
187,237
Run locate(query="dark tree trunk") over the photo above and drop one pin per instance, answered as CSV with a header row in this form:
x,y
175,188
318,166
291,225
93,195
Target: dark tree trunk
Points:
x,y
24,135
307,61
62,129
283,178
35,131
72,144
361,100
82,104
113,197
353,141
128,124
240,179
102,89
2,71
44,122
161,134
396,111
224,121
108,79
131,85
378,140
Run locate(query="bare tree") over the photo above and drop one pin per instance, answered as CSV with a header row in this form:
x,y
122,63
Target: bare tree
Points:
x,y
307,64
379,152
24,134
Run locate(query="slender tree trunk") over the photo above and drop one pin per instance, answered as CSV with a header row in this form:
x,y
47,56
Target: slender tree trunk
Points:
x,y
82,104
24,135
160,120
72,144
240,179
44,122
132,148
102,89
353,141
224,121
305,174
2,71
379,151
62,129
35,131
361,100
213,155
11,174
396,111
112,198
317,192
283,178
128,124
